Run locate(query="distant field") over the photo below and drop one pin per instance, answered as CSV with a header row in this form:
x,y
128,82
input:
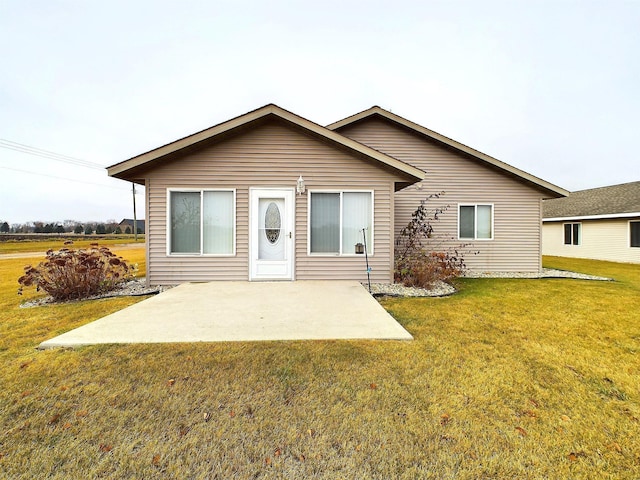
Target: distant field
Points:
x,y
37,244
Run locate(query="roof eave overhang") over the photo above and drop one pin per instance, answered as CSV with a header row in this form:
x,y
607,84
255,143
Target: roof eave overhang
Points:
x,y
129,169
603,216
553,190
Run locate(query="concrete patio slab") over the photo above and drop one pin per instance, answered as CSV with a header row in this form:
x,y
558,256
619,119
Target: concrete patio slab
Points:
x,y
244,311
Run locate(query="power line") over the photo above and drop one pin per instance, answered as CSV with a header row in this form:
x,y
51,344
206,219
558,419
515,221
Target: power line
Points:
x,y
62,178
39,152
21,147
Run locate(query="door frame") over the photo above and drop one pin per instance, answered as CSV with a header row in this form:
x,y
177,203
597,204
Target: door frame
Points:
x,y
288,226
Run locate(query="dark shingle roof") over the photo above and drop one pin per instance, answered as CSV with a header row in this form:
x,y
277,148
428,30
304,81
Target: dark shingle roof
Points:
x,y
129,222
616,199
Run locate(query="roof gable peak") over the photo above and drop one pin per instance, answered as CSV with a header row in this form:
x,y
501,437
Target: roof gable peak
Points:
x,y
376,111
127,169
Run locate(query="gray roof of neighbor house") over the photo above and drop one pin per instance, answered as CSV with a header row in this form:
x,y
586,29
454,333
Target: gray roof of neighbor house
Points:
x,y
603,202
488,160
129,221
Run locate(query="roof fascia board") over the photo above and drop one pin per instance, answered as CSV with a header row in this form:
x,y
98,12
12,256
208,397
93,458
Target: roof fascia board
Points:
x,y
187,141
451,143
351,144
592,217
256,115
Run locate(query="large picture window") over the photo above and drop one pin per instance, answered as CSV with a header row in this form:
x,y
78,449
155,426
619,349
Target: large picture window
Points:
x,y
336,221
475,222
202,222
634,232
572,233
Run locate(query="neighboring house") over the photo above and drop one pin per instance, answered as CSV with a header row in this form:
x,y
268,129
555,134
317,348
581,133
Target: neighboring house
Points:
x,y
270,195
599,223
128,222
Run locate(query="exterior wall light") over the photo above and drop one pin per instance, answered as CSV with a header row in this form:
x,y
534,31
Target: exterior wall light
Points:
x,y
300,188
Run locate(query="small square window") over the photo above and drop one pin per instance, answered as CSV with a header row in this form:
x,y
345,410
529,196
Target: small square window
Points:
x,y
572,233
475,222
634,231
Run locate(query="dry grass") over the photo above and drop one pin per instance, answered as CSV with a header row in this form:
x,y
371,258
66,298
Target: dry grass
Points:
x,y
19,246
507,379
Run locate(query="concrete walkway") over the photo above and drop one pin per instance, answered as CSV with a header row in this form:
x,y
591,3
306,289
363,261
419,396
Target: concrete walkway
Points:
x,y
244,311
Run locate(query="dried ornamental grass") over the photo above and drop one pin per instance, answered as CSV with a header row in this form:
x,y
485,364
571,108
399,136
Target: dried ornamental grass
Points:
x,y
72,274
423,259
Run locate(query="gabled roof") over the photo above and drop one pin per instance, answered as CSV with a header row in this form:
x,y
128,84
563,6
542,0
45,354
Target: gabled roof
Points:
x,y
381,113
131,169
129,221
614,201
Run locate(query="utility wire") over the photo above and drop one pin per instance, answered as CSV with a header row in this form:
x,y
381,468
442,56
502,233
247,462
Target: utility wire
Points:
x,y
66,179
39,152
20,147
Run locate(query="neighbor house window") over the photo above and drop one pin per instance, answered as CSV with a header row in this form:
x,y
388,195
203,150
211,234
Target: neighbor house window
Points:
x,y
634,231
475,222
336,221
202,222
572,233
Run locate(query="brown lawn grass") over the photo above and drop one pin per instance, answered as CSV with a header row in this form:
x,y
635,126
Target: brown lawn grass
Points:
x,y
507,379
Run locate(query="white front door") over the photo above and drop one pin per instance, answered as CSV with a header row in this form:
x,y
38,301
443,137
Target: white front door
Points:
x,y
271,235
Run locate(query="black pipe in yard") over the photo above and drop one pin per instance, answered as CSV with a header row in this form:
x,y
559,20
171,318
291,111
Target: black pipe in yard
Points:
x,y
366,257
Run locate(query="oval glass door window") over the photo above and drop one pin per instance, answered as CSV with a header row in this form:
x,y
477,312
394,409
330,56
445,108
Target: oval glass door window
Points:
x,y
272,223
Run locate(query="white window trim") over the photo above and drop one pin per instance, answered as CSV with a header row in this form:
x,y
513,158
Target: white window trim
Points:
x,y
629,232
475,221
370,249
579,237
168,222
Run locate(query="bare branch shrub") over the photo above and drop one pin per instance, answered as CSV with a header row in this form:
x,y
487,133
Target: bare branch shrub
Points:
x,y
74,274
423,258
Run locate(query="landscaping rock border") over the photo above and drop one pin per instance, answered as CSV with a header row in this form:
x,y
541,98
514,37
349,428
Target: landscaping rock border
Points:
x,y
545,273
138,286
442,289
132,288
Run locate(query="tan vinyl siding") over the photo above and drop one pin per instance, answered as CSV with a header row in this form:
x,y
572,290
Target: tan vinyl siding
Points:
x,y
603,239
516,206
272,155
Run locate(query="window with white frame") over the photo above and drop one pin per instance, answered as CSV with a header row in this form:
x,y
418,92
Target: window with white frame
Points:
x,y
475,222
572,233
634,233
201,222
336,221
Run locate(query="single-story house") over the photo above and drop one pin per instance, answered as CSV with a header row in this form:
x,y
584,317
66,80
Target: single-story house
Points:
x,y
128,222
270,195
598,223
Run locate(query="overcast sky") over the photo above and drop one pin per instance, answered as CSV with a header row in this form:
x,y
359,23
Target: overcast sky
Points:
x,y
550,87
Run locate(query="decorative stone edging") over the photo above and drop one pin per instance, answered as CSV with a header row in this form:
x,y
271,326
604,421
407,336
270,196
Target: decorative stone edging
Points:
x,y
132,288
138,286
545,273
442,289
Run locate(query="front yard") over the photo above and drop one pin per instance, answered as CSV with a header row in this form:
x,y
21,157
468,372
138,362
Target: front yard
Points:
x,y
506,379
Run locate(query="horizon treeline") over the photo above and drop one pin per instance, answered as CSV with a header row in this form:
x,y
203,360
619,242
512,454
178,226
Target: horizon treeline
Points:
x,y
72,226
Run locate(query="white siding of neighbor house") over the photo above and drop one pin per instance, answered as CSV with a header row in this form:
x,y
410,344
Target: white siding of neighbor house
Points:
x,y
517,206
270,155
602,239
